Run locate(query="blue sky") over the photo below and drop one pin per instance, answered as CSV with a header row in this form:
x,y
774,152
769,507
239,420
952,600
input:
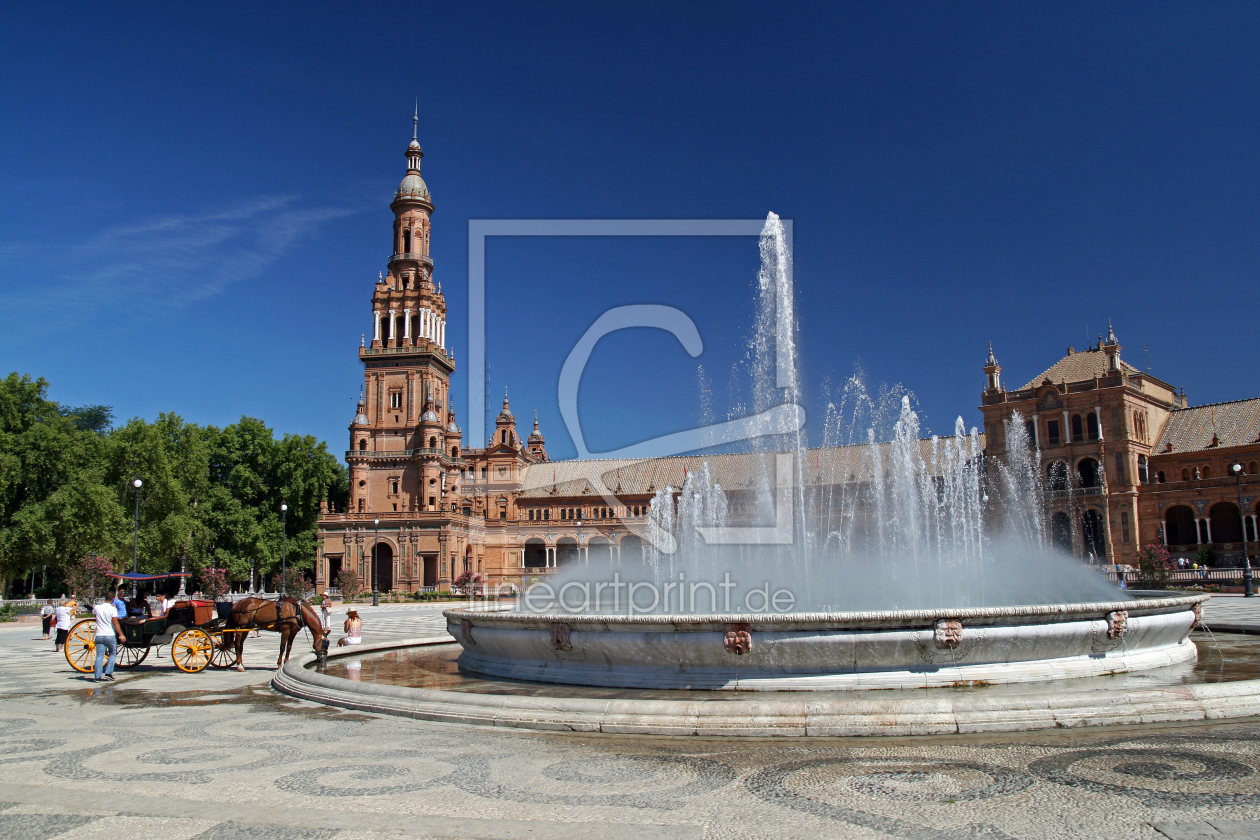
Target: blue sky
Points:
x,y
194,200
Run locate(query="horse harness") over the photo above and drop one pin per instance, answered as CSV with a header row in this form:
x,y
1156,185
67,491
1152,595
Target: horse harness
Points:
x,y
298,618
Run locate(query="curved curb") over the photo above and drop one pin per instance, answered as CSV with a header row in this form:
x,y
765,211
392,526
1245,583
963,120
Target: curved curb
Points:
x,y
1022,614
933,714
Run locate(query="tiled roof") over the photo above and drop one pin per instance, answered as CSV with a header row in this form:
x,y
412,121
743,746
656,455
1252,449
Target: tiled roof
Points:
x,y
1191,429
636,477
1077,367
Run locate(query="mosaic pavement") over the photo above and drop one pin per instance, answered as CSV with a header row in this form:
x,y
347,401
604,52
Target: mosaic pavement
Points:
x,y
218,755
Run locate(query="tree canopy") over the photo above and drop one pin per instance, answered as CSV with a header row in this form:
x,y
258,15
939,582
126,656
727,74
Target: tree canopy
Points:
x,y
210,496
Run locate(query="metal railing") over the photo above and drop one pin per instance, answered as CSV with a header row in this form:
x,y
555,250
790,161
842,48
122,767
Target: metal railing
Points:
x,y
433,348
385,455
1076,491
409,255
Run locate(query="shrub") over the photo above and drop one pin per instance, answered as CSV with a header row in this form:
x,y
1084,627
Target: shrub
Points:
x,y
214,583
1155,564
90,579
350,585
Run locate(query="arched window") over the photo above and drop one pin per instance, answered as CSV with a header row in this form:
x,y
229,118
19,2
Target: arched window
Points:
x,y
1179,526
546,515
1251,468
1207,472
1057,475
1089,472
1159,476
1078,433
362,444
1092,423
505,436
564,513
1061,531
454,451
361,505
1226,523
1185,475
406,242
1094,535
1143,473
433,443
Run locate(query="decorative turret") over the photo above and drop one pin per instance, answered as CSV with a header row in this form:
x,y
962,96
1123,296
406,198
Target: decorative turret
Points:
x,y
537,446
992,371
1112,348
505,424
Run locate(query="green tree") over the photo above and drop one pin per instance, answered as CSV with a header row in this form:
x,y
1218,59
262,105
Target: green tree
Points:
x,y
52,506
171,457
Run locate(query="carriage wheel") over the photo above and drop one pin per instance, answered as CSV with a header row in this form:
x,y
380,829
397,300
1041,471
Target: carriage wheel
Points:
x,y
130,657
81,646
224,653
191,650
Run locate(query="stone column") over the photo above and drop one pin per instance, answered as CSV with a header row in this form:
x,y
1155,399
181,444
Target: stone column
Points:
x,y
393,322
1098,414
1207,526
406,324
1067,433
1036,432
376,325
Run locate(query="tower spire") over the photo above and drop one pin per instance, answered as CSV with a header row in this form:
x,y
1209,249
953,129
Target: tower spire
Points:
x,y
415,122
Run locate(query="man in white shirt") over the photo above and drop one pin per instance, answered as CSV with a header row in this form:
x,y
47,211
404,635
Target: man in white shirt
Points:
x,y
108,631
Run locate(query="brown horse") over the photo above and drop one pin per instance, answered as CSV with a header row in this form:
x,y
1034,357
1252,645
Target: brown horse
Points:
x,y
286,616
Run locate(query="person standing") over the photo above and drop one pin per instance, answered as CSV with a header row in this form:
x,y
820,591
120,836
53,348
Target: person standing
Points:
x,y
64,617
325,607
107,632
48,613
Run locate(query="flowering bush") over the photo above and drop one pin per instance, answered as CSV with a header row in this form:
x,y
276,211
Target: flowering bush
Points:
x,y
214,583
469,583
294,582
350,585
1155,564
90,579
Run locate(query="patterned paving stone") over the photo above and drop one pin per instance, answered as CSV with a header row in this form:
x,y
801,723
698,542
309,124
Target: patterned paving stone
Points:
x,y
39,826
161,755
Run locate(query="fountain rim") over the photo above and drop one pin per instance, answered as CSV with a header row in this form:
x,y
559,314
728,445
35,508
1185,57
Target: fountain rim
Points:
x,y
1139,605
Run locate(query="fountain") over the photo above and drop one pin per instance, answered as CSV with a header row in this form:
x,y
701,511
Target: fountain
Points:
x,y
868,570
911,563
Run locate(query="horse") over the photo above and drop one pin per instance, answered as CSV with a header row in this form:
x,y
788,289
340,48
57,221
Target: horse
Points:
x,y
286,616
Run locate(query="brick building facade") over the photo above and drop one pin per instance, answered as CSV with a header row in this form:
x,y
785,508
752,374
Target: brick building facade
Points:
x,y
1126,461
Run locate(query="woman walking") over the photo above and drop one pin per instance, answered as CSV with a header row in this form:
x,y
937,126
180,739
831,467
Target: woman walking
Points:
x,y
48,613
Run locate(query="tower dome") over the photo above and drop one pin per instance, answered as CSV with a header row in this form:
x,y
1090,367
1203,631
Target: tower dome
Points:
x,y
413,185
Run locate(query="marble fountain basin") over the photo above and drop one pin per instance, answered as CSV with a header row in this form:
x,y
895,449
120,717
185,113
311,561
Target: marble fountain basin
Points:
x,y
831,651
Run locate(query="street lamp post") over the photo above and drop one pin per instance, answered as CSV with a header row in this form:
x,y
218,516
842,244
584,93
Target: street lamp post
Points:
x,y
1248,588
376,560
135,543
284,535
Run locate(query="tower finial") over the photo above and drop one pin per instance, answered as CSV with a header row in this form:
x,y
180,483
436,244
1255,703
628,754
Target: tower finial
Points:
x,y
415,121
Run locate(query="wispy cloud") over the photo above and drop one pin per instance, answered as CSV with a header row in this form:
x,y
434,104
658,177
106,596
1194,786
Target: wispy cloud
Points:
x,y
160,264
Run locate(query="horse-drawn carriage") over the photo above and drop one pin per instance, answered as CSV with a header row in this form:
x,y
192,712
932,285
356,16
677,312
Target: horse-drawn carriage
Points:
x,y
198,634
192,627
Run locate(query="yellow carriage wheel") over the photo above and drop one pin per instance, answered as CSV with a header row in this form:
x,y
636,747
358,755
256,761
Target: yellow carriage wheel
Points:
x,y
80,646
224,653
130,657
191,650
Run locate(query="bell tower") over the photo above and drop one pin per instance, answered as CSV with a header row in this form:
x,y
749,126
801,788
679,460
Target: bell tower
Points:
x,y
400,457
